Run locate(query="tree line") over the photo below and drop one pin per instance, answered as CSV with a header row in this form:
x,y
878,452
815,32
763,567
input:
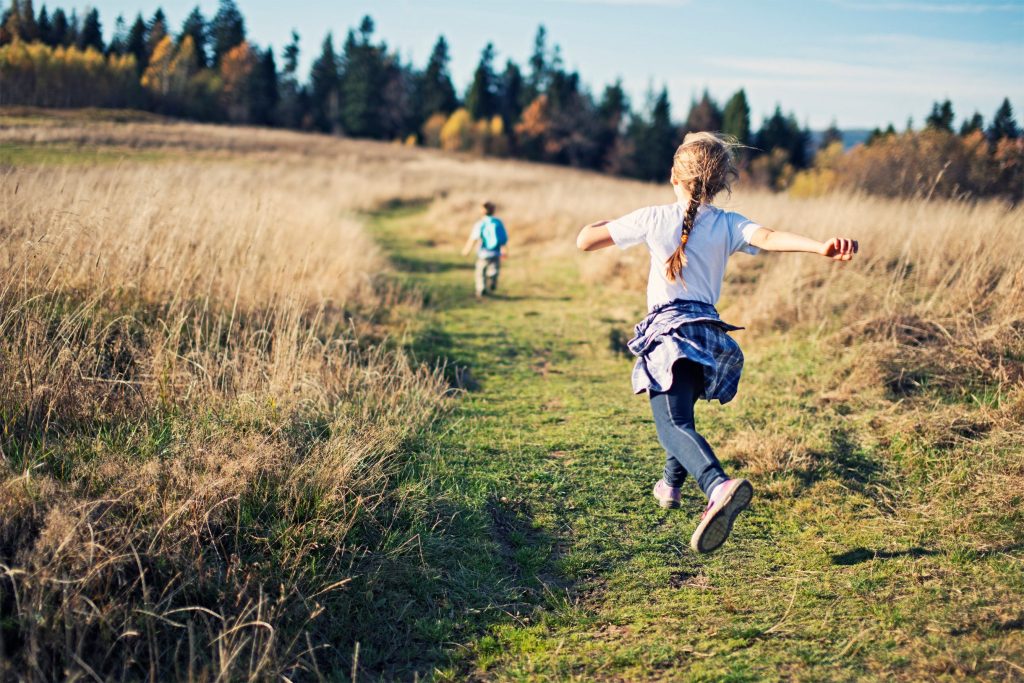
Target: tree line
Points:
x,y
209,70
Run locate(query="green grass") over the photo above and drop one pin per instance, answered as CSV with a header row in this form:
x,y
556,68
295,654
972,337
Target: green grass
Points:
x,y
33,117
546,558
64,154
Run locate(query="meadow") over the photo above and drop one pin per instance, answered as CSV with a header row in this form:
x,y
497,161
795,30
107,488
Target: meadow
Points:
x,y
253,425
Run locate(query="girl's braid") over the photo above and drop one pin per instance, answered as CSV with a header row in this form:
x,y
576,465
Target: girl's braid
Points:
x,y
704,166
677,261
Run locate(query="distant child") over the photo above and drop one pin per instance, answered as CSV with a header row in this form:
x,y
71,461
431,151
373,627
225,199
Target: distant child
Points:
x,y
490,236
682,346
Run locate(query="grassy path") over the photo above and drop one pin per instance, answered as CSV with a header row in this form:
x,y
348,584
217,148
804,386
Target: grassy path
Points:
x,y
549,560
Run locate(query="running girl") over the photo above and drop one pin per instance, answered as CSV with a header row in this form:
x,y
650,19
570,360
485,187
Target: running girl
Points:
x,y
682,346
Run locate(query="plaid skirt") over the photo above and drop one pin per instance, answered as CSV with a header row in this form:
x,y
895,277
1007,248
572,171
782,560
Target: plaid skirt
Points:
x,y
689,330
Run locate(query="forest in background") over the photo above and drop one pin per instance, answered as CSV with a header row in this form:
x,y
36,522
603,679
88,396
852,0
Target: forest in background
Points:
x,y
209,70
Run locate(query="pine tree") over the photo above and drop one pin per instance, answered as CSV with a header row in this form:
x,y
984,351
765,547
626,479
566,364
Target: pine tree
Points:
x,y
323,85
290,112
612,112
563,88
481,98
156,31
614,105
435,92
664,135
536,84
136,43
654,141
363,81
71,37
58,28
195,26
119,41
28,24
704,115
832,134
879,134
45,26
264,94
91,35
1003,124
976,122
784,133
397,117
941,117
802,153
291,56
510,95
226,30
736,118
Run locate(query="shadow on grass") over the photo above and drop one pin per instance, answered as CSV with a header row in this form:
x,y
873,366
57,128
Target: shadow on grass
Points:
x,y
498,296
525,549
996,625
434,346
618,342
398,206
412,264
858,555
850,463
447,572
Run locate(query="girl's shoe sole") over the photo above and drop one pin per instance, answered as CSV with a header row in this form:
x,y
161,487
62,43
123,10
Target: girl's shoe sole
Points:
x,y
714,529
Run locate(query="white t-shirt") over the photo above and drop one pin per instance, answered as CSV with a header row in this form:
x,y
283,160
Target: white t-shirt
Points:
x,y
716,235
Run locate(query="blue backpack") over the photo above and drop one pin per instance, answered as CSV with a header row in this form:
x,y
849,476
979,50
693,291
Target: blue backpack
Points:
x,y
492,234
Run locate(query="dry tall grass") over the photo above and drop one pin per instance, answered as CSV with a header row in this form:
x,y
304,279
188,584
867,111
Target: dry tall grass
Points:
x,y
192,424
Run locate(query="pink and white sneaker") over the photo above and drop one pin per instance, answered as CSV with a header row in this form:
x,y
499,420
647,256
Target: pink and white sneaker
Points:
x,y
668,497
728,500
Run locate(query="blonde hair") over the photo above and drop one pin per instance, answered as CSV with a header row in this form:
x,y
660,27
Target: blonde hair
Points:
x,y
703,166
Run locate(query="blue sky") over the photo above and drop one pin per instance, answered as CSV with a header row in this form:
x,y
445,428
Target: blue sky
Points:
x,y
863,63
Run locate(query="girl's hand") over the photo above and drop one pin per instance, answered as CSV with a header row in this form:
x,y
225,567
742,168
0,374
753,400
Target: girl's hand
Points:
x,y
839,249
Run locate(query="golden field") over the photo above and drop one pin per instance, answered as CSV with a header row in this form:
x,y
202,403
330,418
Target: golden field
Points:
x,y
206,395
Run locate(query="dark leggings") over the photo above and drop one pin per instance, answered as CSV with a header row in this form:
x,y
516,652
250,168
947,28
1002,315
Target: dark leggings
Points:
x,y
686,450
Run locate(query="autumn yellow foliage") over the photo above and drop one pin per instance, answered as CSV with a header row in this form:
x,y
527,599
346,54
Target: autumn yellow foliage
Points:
x,y
36,74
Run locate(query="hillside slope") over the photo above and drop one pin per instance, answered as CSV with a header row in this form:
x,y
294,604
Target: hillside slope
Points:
x,y
244,366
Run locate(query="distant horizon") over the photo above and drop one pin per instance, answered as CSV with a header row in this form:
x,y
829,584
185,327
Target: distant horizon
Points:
x,y
971,53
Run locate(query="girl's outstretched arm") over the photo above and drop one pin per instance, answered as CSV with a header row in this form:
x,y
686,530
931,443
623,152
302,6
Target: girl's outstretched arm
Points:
x,y
837,248
594,236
